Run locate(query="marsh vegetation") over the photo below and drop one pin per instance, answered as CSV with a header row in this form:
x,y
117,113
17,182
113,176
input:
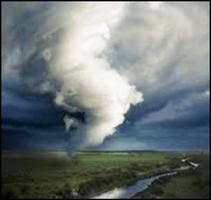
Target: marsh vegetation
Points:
x,y
55,175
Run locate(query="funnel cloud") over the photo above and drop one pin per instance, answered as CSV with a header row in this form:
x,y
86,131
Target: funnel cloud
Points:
x,y
105,75
77,64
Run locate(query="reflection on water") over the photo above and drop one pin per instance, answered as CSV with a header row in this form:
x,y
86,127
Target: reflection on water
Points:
x,y
128,192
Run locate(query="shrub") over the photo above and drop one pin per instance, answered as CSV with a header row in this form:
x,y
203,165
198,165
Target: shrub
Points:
x,y
65,192
25,189
157,190
10,194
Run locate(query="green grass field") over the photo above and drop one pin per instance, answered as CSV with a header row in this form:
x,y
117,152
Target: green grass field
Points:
x,y
55,175
192,184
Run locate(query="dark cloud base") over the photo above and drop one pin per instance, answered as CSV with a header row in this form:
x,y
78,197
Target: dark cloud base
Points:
x,y
175,113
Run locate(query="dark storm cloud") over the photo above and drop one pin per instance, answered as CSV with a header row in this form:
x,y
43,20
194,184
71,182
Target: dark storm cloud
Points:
x,y
172,69
160,140
162,49
32,111
53,51
16,138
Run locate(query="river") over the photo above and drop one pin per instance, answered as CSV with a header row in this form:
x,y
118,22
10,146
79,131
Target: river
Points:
x,y
141,185
130,191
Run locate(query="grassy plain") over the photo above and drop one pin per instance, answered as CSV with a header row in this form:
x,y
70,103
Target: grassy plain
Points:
x,y
191,184
55,175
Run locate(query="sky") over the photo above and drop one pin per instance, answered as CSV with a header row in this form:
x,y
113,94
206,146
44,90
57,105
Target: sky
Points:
x,y
105,76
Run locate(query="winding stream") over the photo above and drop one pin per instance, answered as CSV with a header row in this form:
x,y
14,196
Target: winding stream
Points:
x,y
130,191
141,185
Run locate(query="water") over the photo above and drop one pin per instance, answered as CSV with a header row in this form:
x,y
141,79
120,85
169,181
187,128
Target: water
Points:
x,y
130,191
